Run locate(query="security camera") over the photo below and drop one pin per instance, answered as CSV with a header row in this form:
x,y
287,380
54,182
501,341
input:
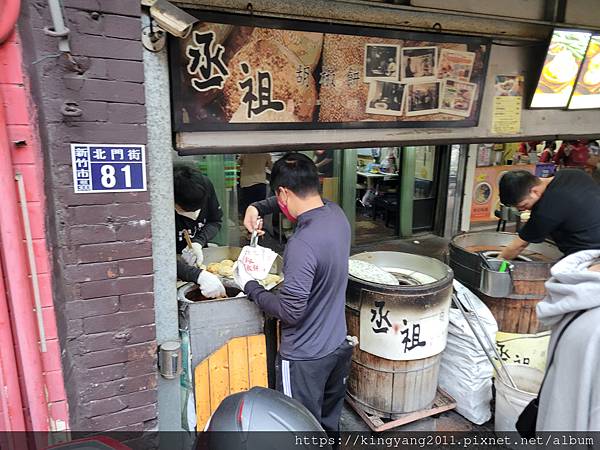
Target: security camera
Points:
x,y
171,18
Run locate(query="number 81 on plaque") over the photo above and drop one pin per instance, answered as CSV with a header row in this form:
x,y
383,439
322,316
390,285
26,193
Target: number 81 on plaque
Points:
x,y
108,168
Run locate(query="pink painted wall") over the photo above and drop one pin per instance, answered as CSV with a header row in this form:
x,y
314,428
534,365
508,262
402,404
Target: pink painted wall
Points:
x,y
28,160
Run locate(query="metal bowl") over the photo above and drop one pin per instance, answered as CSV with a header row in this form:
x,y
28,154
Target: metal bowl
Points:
x,y
218,254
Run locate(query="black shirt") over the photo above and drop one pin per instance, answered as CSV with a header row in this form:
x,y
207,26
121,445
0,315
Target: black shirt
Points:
x,y
568,212
326,169
201,230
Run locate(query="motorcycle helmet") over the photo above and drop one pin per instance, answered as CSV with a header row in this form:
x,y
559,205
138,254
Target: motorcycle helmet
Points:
x,y
264,419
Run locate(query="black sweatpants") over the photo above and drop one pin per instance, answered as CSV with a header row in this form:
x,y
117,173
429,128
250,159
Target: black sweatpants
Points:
x,y
319,384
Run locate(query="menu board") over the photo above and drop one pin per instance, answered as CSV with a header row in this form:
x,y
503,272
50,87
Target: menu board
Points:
x,y
587,88
251,73
561,66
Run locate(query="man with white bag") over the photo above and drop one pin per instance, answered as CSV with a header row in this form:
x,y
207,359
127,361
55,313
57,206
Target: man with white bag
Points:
x,y
314,355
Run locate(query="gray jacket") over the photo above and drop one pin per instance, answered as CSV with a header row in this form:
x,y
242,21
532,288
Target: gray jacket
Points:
x,y
570,398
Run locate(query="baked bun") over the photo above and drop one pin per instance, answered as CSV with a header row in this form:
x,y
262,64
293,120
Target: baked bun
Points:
x,y
214,268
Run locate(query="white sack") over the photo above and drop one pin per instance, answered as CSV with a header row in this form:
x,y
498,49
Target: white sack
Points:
x,y
465,371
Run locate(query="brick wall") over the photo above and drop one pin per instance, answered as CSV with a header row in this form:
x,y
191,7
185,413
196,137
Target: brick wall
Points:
x,y
27,160
102,264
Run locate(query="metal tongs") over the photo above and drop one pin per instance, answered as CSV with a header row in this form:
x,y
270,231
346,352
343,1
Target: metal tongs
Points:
x,y
254,236
497,363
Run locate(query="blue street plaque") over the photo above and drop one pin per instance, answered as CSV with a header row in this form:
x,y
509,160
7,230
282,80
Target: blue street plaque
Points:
x,y
108,168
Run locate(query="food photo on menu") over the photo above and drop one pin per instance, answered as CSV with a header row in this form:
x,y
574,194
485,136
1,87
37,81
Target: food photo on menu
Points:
x,y
455,64
508,86
563,59
381,62
385,97
457,97
419,64
587,88
422,98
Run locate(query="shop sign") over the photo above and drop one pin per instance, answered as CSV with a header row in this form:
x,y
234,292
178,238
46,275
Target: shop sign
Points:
x,y
395,331
108,168
249,73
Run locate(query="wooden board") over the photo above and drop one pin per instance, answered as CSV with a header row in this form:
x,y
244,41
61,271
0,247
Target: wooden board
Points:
x,y
235,367
257,359
443,402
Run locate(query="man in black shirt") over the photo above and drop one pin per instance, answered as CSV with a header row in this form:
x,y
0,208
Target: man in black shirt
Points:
x,y
197,210
565,207
324,162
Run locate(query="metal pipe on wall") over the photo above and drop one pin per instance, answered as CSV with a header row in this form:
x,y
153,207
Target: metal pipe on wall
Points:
x,y
13,257
32,264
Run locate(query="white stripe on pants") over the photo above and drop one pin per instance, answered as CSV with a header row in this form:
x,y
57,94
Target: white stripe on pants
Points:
x,y
285,377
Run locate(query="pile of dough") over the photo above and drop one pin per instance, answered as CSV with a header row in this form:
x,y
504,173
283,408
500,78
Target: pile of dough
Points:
x,y
370,272
213,267
223,268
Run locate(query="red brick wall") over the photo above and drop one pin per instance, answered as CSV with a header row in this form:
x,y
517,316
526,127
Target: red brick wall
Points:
x,y
102,252
28,160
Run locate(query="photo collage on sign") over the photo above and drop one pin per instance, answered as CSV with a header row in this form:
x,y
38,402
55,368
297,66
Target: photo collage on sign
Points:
x,y
415,81
247,77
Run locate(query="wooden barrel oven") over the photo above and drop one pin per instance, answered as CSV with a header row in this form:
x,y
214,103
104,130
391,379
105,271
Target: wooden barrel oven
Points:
x,y
515,313
389,387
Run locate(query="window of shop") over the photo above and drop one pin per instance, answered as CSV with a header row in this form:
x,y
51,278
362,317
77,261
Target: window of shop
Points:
x,y
543,158
369,184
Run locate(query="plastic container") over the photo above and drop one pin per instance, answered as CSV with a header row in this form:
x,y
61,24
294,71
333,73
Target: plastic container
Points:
x,y
510,402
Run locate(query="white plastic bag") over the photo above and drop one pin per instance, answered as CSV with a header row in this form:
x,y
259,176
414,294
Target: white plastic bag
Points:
x,y
465,371
257,261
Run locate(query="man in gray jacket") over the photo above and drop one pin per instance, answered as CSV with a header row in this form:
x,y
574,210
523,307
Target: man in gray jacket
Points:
x,y
314,355
570,397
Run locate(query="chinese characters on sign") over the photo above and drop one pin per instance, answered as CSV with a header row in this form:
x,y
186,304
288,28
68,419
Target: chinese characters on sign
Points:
x,y
108,168
410,335
390,330
253,77
206,62
263,100
411,339
528,349
382,317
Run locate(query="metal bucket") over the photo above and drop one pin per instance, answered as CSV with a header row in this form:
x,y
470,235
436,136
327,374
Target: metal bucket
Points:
x,y
400,375
493,282
515,311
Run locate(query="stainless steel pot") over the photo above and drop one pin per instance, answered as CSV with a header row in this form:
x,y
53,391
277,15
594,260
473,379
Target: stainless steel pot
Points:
x,y
218,254
493,282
